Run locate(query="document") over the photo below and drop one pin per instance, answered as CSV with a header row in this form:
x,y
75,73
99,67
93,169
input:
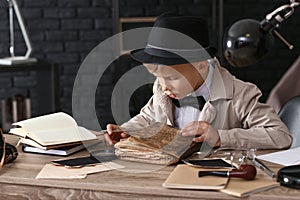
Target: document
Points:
x,y
286,157
51,171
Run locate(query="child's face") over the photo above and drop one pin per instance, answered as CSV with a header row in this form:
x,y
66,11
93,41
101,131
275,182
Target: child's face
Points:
x,y
177,81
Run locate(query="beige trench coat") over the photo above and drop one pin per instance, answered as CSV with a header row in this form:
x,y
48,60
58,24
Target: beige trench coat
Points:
x,y
233,109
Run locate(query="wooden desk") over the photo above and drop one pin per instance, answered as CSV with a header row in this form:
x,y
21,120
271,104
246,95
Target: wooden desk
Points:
x,y
17,181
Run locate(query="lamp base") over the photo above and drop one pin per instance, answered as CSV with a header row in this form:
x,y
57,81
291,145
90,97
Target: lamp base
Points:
x,y
17,60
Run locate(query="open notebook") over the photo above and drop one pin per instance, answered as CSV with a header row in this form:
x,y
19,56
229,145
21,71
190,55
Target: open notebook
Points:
x,y
51,131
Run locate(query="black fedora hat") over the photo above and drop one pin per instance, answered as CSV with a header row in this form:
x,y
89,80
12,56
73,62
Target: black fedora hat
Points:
x,y
176,39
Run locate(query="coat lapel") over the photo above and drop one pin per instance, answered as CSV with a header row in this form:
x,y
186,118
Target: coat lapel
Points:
x,y
221,88
168,109
221,85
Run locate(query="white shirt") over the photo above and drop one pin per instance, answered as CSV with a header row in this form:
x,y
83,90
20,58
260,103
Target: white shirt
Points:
x,y
187,114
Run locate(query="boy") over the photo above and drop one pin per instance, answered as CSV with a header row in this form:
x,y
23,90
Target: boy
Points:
x,y
228,114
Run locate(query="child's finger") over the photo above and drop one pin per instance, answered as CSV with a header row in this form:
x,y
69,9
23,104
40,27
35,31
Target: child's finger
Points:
x,y
199,139
108,139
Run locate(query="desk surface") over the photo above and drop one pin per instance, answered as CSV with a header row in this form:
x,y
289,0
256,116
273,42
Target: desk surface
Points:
x,y
17,181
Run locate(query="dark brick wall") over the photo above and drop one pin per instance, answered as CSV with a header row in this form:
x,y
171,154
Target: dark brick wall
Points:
x,y
65,31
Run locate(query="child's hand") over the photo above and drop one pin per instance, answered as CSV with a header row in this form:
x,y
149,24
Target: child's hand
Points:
x,y
202,131
114,134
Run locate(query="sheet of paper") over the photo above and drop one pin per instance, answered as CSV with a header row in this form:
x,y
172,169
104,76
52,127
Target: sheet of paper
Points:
x,y
51,171
286,157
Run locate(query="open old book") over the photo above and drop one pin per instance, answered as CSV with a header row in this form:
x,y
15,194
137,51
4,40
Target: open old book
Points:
x,y
157,144
51,131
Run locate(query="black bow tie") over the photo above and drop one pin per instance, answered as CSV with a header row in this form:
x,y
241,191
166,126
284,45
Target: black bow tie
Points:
x,y
196,102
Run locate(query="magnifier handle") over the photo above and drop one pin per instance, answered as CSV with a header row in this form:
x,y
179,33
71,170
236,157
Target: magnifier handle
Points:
x,y
213,173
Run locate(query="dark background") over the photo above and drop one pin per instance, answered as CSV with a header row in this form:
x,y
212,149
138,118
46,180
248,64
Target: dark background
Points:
x,y
65,31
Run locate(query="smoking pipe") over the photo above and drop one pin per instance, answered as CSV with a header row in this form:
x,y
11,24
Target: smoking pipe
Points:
x,y
246,172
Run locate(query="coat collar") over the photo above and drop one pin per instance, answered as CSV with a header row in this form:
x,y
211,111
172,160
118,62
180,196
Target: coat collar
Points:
x,y
221,88
222,83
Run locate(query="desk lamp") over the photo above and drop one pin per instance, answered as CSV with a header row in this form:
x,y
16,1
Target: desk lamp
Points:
x,y
248,40
13,7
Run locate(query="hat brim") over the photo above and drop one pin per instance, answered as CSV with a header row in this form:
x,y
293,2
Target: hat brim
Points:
x,y
142,56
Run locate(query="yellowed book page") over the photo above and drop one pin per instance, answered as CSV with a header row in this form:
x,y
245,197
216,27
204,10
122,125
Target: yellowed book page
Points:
x,y
47,122
186,177
85,134
156,138
18,131
63,135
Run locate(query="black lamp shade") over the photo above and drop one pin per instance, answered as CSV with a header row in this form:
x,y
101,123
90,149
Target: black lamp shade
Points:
x,y
246,43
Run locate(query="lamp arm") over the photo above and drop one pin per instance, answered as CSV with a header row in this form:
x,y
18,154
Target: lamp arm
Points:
x,y
11,29
273,20
22,27
281,13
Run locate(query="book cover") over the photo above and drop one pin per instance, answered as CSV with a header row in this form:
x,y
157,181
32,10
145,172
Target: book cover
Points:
x,y
32,143
63,151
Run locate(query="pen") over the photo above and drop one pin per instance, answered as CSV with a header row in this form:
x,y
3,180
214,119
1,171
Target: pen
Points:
x,y
263,167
